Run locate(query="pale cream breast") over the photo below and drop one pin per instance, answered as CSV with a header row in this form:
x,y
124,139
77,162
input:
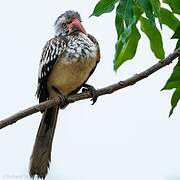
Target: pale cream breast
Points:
x,y
67,77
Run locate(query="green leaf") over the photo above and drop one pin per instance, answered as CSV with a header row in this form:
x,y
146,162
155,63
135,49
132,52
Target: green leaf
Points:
x,y
178,45
174,80
167,17
146,5
174,5
176,35
174,100
137,11
156,6
154,36
103,6
124,13
119,21
127,50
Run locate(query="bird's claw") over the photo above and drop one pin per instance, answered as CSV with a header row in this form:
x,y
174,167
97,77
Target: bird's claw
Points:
x,y
62,97
63,101
93,92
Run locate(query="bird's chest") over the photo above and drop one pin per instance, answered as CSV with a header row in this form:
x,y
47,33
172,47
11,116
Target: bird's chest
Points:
x,y
81,48
73,68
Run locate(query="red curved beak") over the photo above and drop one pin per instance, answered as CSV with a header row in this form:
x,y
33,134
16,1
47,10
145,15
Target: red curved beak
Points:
x,y
76,26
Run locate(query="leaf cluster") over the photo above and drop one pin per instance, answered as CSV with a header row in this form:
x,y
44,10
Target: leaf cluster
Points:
x,y
151,16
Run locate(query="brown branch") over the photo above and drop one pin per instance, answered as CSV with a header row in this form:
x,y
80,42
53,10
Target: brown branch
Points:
x,y
106,90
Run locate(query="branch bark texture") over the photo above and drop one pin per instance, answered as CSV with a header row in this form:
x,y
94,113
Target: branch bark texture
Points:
x,y
80,96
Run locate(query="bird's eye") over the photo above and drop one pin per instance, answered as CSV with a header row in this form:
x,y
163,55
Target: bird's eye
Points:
x,y
64,25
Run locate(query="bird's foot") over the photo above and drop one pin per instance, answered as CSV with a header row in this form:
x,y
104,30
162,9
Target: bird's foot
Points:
x,y
92,90
62,97
64,101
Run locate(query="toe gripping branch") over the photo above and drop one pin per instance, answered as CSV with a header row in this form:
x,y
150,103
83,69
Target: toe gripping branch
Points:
x,y
92,90
62,97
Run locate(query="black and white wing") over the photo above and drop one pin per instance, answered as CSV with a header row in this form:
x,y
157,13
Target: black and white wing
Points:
x,y
52,50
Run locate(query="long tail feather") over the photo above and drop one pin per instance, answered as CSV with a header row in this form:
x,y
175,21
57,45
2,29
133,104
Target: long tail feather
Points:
x,y
41,155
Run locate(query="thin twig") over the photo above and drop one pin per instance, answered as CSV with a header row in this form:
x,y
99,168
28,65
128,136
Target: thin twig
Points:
x,y
103,91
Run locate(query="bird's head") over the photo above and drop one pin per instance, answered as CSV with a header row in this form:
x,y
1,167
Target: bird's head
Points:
x,y
68,23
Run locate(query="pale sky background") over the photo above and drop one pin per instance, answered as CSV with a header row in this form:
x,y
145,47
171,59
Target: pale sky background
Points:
x,y
124,136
